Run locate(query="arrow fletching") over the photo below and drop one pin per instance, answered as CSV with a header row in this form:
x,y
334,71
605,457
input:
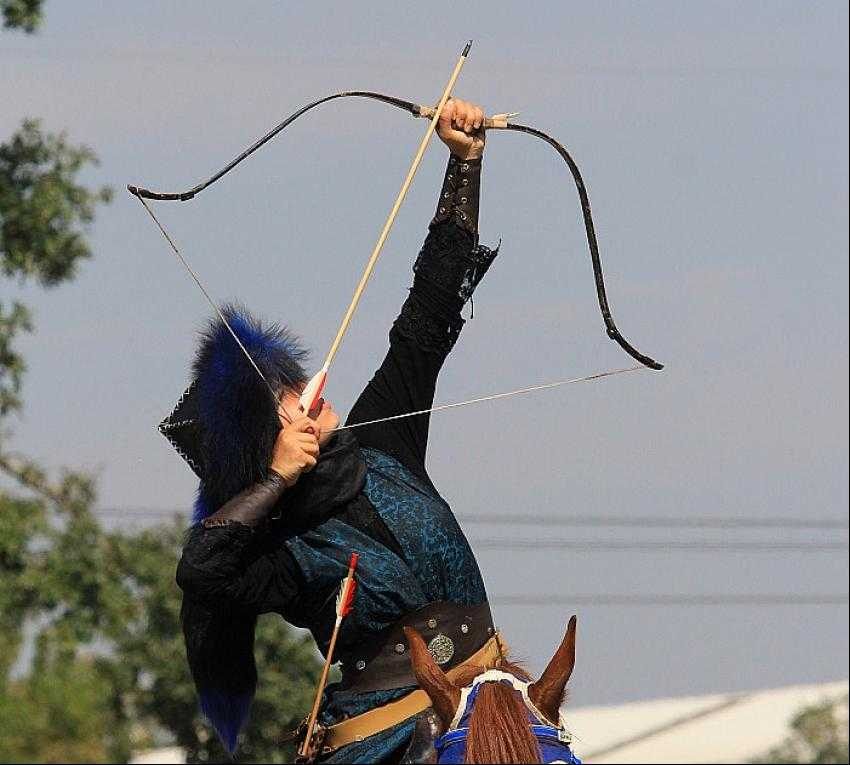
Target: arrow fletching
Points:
x,y
347,590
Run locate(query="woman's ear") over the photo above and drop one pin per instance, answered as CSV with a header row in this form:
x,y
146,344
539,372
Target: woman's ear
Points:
x,y
444,695
547,694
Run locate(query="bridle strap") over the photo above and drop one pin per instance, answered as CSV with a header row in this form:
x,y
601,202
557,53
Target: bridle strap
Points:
x,y
498,676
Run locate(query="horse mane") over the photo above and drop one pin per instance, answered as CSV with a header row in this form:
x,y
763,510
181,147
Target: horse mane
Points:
x,y
498,727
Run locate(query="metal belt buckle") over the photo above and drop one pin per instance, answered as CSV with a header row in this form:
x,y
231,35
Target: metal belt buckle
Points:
x,y
314,747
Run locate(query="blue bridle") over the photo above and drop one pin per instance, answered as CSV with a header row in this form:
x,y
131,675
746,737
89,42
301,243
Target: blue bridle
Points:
x,y
553,742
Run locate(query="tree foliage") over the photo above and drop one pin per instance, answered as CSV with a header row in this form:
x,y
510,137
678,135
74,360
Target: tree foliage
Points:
x,y
12,322
818,735
22,14
92,664
108,672
55,705
44,215
43,209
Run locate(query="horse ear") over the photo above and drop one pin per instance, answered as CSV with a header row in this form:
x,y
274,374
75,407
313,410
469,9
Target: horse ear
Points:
x,y
547,693
444,695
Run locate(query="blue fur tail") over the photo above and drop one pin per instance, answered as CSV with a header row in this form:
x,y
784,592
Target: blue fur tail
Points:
x,y
227,713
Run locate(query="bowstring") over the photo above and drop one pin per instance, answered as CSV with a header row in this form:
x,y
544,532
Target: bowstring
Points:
x,y
494,396
418,412
207,295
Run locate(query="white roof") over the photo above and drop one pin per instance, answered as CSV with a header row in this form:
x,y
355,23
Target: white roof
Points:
x,y
693,729
164,756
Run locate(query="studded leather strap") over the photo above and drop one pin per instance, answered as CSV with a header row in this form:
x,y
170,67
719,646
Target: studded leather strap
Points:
x,y
453,633
460,194
381,718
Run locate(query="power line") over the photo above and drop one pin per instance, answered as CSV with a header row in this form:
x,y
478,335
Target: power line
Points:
x,y
655,546
657,521
592,545
604,521
827,599
142,512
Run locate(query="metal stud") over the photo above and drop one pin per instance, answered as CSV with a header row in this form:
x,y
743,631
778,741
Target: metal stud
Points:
x,y
432,623
464,167
464,628
442,210
463,216
442,648
361,665
464,182
399,647
489,630
447,194
463,200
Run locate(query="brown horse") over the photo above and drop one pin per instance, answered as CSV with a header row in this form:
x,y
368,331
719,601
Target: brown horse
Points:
x,y
494,715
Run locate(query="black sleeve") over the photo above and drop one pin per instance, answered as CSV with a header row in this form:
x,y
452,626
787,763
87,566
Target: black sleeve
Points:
x,y
225,562
447,270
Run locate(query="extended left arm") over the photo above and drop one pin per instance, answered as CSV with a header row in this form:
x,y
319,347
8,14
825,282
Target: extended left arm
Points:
x,y
447,271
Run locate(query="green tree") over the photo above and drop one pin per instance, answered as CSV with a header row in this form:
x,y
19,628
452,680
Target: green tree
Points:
x,y
54,585
55,706
44,214
21,14
97,610
50,545
61,715
817,736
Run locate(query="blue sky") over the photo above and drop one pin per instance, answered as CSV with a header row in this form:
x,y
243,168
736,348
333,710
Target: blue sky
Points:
x,y
713,140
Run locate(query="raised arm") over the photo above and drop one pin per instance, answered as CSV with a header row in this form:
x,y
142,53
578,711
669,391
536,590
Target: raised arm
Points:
x,y
447,270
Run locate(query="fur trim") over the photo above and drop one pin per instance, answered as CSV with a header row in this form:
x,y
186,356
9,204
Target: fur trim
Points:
x,y
227,713
220,651
237,413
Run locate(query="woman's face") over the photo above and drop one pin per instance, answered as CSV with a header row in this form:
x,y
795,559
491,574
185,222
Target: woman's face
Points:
x,y
326,418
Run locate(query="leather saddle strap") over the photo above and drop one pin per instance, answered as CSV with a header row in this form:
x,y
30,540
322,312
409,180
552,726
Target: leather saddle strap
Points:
x,y
456,631
379,719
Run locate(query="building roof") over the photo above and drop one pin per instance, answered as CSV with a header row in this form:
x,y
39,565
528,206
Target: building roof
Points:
x,y
694,729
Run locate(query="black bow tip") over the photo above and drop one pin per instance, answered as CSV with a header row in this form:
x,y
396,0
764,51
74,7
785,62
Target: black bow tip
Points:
x,y
615,335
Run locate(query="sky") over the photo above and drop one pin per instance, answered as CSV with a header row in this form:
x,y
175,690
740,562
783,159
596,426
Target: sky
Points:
x,y
713,139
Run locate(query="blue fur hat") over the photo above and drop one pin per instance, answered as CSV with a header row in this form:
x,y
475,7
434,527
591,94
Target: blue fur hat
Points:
x,y
225,426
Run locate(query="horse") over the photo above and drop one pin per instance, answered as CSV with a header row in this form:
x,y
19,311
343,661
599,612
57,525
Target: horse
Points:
x,y
493,715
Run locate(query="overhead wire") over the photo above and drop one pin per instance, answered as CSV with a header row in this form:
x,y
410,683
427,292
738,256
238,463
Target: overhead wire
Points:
x,y
603,521
817,599
594,545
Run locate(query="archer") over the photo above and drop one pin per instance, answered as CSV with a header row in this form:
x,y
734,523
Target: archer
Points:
x,y
284,498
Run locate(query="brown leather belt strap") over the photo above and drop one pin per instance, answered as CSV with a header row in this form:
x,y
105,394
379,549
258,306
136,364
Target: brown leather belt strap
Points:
x,y
376,720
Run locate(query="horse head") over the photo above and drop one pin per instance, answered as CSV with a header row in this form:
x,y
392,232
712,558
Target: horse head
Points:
x,y
496,715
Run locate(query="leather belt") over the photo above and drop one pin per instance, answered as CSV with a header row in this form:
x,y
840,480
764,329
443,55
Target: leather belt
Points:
x,y
452,633
376,720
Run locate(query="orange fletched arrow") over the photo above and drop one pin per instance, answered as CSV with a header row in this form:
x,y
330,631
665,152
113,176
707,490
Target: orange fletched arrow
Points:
x,y
344,606
347,590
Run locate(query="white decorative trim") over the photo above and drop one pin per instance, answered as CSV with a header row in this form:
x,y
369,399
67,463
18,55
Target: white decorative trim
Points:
x,y
498,676
167,426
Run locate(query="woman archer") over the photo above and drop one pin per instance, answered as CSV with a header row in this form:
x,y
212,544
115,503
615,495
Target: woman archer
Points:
x,y
284,499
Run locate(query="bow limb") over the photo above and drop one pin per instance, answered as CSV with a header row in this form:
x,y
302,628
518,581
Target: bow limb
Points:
x,y
499,122
185,196
610,327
